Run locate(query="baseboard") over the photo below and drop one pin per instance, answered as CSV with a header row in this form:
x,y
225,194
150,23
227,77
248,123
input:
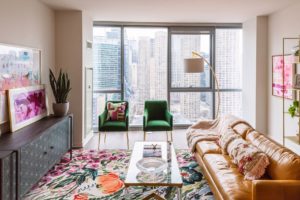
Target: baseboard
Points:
x,y
88,138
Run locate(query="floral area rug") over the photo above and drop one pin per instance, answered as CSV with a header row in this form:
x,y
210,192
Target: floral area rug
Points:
x,y
99,175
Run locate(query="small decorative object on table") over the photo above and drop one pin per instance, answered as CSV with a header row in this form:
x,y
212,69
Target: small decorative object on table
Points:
x,y
26,105
61,88
153,150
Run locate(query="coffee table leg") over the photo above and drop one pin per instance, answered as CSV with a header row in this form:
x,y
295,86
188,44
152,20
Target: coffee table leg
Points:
x,y
179,197
126,192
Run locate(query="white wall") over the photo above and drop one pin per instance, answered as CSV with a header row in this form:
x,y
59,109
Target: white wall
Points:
x,y
249,71
255,72
68,42
31,24
87,59
284,23
261,74
72,30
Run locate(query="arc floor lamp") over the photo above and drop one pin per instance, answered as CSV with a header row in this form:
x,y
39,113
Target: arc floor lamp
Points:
x,y
196,65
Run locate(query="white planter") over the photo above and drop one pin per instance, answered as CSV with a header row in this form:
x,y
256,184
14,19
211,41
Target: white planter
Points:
x,y
60,109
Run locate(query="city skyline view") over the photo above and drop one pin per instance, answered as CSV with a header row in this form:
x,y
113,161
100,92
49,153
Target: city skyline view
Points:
x,y
145,71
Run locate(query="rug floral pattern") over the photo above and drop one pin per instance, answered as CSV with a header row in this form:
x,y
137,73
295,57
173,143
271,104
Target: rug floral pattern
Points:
x,y
99,175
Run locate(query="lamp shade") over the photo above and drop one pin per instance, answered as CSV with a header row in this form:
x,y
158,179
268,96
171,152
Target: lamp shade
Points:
x,y
193,65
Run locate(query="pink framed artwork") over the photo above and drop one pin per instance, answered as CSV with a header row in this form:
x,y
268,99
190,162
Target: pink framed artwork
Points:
x,y
19,67
279,88
26,105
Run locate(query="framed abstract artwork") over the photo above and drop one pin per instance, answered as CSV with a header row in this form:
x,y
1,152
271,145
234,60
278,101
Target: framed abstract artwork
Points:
x,y
26,105
19,67
279,88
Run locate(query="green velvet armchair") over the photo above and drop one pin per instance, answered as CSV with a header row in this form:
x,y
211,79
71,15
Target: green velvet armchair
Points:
x,y
157,117
113,126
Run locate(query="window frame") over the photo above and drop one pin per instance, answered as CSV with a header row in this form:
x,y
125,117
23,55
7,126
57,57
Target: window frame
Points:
x,y
175,29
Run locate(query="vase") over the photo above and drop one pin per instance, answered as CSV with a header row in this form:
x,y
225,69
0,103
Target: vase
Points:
x,y
60,109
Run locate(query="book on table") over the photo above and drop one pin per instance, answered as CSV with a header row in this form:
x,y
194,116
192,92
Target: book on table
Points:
x,y
152,151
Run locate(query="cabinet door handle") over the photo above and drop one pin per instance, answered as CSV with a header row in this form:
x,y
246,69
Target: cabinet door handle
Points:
x,y
51,147
45,152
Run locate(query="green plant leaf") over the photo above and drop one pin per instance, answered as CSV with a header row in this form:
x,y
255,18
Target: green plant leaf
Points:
x,y
64,182
80,180
60,86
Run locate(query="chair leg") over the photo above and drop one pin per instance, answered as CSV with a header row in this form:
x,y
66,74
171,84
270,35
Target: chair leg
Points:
x,y
171,136
105,137
99,140
127,140
144,135
167,134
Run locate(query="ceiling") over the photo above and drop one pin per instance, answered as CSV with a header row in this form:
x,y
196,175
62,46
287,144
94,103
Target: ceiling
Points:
x,y
214,11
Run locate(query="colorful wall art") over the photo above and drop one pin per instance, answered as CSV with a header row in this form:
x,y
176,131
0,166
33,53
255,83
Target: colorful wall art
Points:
x,y
278,87
19,67
26,105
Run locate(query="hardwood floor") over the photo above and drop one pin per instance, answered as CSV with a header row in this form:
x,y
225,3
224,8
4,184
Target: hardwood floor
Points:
x,y
117,140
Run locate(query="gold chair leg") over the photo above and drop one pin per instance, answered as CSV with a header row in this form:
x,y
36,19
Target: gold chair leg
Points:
x,y
167,134
171,136
99,140
144,135
105,137
127,140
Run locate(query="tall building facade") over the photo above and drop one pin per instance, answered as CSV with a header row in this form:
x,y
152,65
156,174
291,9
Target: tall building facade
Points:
x,y
145,75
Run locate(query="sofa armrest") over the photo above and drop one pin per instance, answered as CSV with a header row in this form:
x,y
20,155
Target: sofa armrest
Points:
x,y
102,119
127,118
205,124
169,118
275,189
145,118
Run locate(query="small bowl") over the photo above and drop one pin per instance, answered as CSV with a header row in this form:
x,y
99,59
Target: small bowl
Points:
x,y
152,165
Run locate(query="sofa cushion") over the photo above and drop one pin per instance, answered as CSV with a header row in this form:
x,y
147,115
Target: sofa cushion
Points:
x,y
242,129
284,164
158,125
251,161
205,147
226,138
228,179
114,126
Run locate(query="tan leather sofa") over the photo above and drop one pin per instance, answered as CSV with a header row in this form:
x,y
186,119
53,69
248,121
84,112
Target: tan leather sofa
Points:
x,y
280,182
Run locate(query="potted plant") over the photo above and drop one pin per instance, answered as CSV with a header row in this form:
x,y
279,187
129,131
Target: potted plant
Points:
x,y
294,108
61,88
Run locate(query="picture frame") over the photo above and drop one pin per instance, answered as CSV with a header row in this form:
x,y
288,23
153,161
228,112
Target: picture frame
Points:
x,y
26,105
297,81
279,88
19,67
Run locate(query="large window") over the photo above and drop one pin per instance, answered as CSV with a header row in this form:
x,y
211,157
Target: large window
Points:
x,y
145,67
191,93
139,63
229,69
107,81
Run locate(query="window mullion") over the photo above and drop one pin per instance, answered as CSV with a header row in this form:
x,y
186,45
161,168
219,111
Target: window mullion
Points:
x,y
122,63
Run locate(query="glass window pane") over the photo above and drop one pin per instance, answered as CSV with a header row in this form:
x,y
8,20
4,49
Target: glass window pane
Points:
x,y
107,58
188,107
145,68
182,47
229,58
99,100
231,103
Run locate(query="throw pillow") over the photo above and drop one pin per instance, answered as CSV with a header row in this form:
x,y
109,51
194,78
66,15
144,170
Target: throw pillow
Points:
x,y
225,139
116,111
250,160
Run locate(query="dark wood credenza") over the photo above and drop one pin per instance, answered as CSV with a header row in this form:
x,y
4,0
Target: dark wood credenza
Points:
x,y
27,154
